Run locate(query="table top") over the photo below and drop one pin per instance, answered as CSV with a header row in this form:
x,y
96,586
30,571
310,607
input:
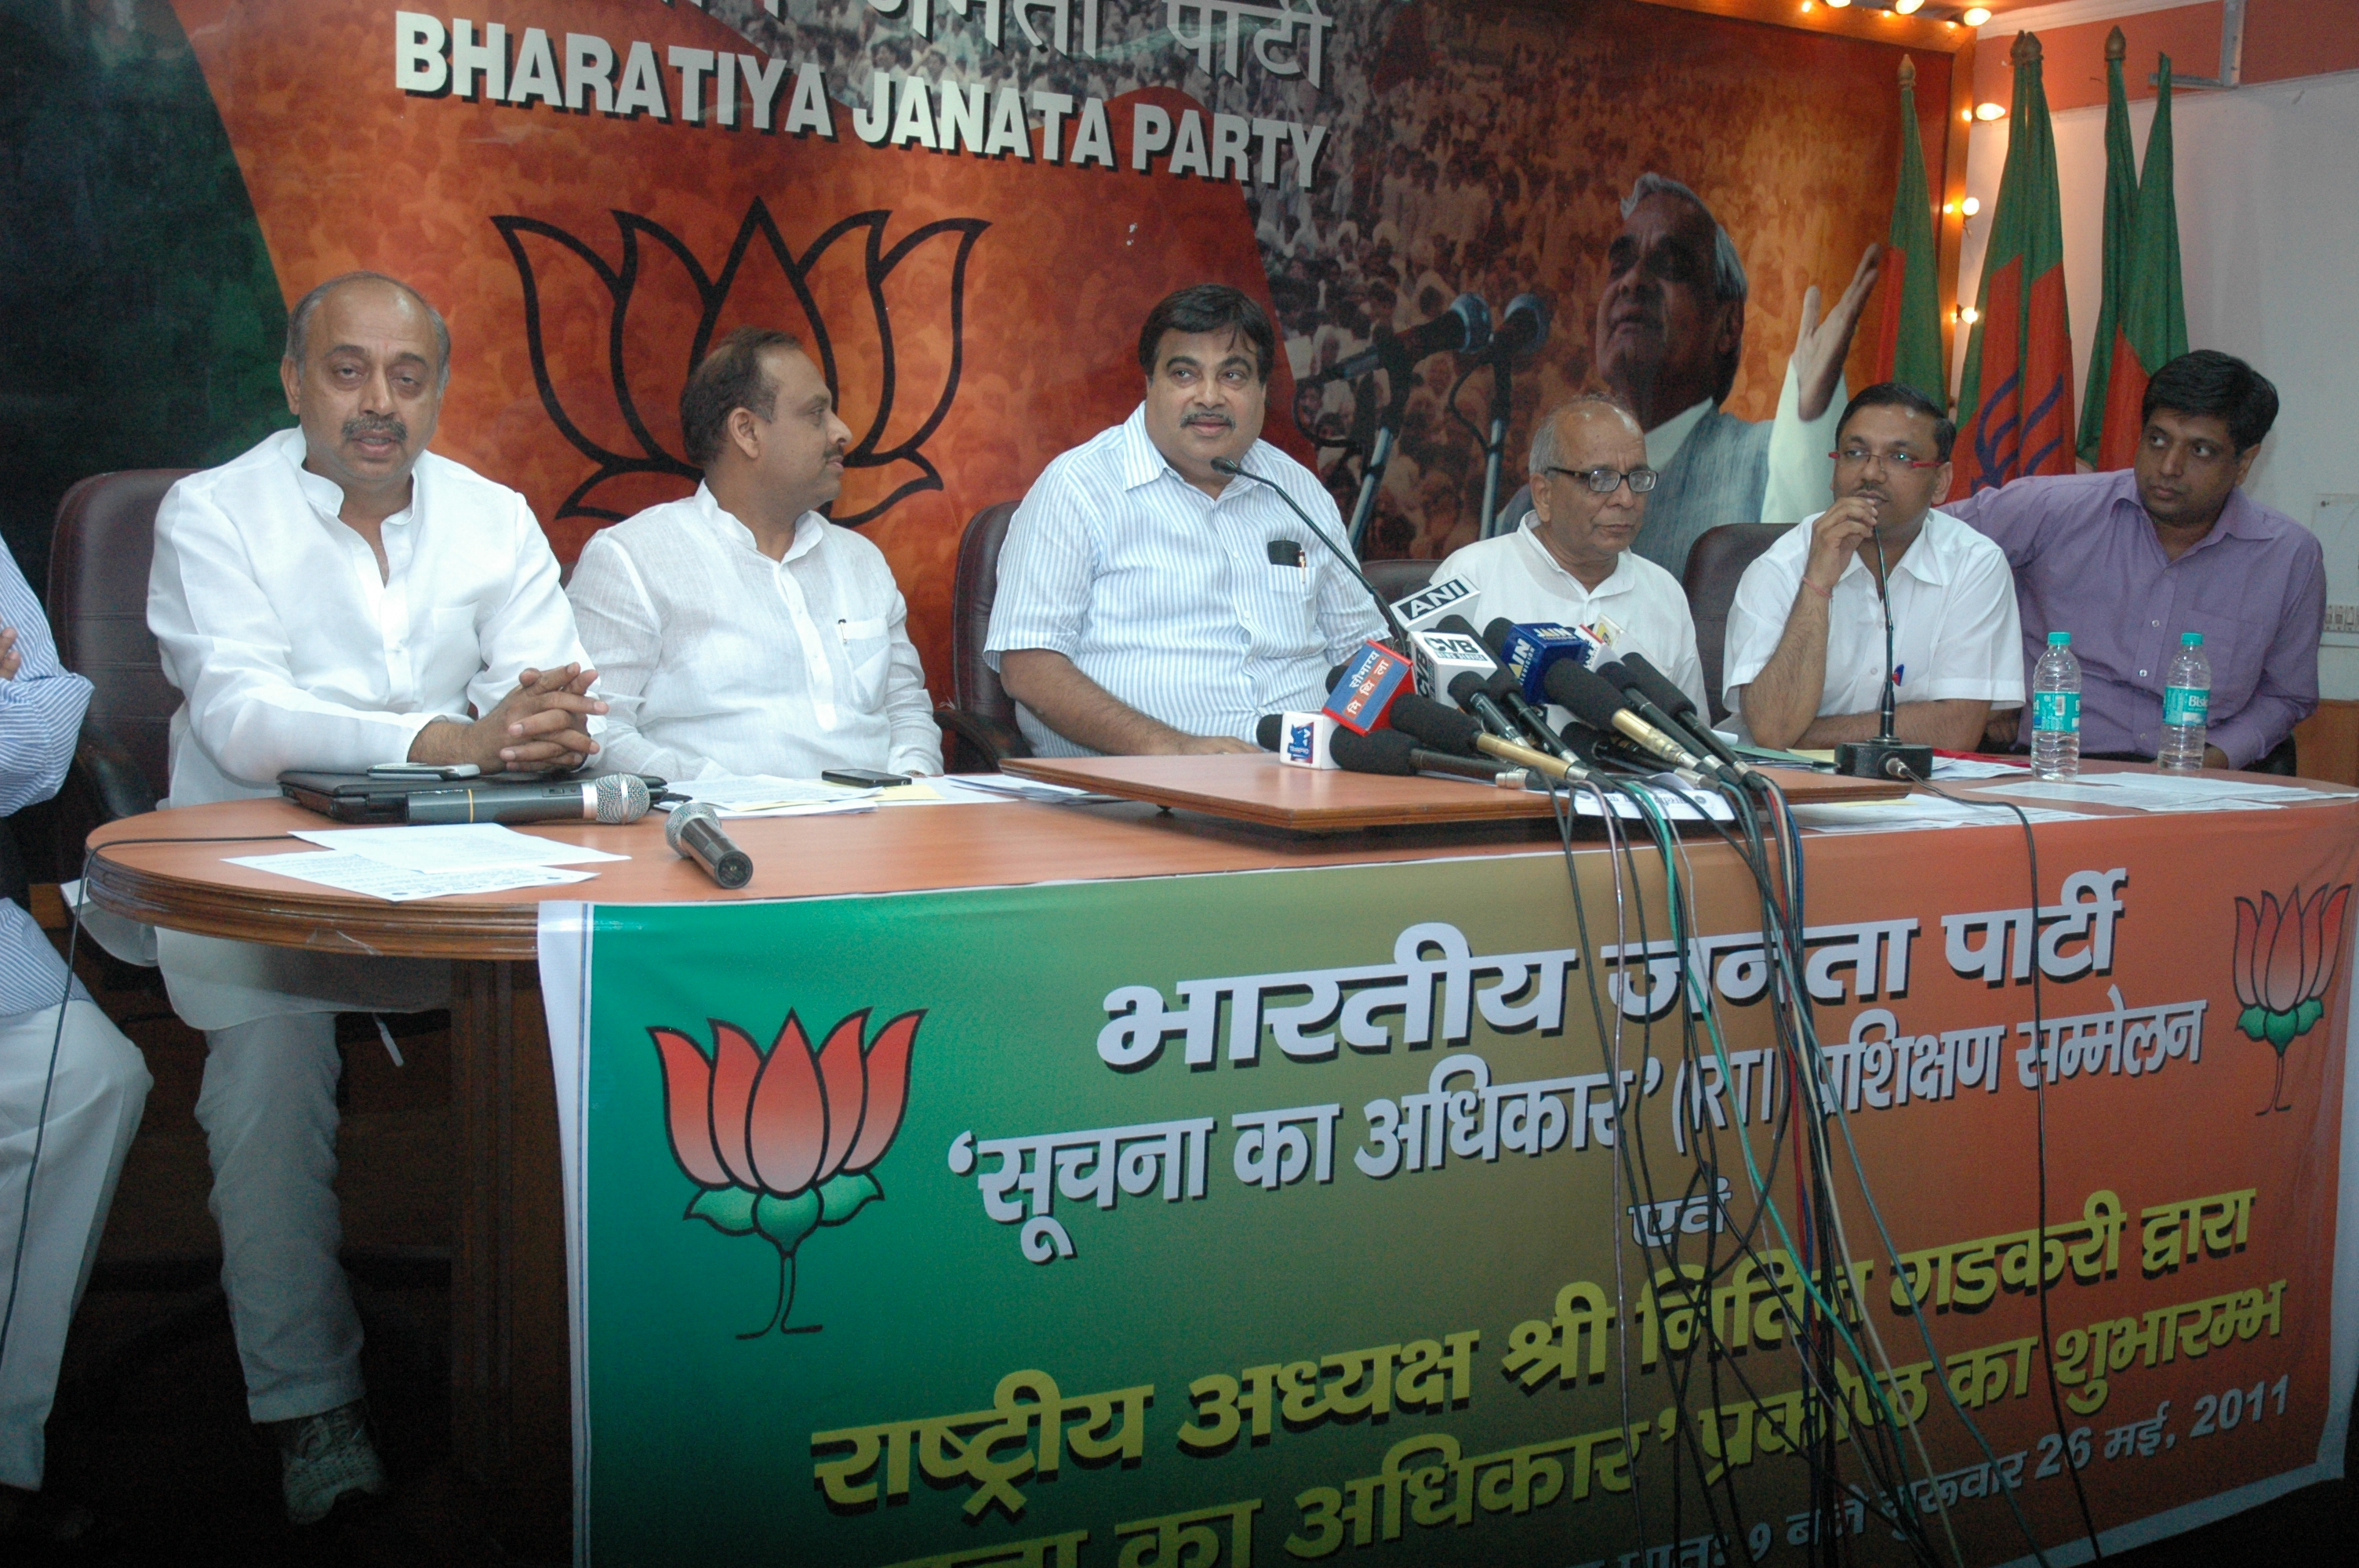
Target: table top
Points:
x,y
171,868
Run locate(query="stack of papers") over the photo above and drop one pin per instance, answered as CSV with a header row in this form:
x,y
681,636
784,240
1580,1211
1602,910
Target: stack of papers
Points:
x,y
762,795
404,864
1919,810
2167,792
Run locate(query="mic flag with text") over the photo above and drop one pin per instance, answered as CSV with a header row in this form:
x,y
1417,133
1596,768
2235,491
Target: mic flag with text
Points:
x,y
1372,678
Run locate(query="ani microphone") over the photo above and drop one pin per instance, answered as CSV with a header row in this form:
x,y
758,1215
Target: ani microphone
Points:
x,y
612,797
695,834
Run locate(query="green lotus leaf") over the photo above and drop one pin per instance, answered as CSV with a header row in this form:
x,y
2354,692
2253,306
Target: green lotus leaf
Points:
x,y
787,1221
2307,1016
845,1194
2282,1030
2254,1021
726,1209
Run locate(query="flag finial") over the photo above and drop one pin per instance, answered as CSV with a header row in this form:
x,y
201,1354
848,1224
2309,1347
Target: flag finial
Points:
x,y
2116,46
1907,71
2026,50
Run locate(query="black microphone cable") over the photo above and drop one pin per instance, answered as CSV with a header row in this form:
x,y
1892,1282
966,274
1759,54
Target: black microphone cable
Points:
x,y
1235,469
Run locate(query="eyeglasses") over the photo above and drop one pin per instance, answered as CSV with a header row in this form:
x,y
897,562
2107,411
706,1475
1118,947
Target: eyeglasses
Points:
x,y
1860,457
1606,482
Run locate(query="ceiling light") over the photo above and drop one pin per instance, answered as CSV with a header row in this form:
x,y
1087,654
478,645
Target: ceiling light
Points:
x,y
1907,7
1990,111
1975,15
1837,4
1969,314
1971,205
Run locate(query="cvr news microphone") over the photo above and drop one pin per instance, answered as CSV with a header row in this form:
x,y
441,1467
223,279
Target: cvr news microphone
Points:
x,y
1235,469
612,797
695,834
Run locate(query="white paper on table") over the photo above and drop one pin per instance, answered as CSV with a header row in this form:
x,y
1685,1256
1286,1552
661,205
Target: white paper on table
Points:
x,y
2150,792
452,847
375,879
763,795
1675,799
1975,768
1038,790
1918,811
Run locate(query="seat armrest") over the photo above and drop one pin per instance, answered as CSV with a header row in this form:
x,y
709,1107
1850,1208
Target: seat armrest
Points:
x,y
986,741
115,785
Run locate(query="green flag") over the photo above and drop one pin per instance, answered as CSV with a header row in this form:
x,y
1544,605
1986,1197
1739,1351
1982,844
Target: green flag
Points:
x,y
2152,328
2015,404
2121,220
1908,349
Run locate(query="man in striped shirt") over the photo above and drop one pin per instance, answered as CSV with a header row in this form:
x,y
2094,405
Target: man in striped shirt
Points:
x,y
1149,603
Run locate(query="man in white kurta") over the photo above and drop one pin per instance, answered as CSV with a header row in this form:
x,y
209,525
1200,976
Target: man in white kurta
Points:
x,y
738,631
1571,562
336,598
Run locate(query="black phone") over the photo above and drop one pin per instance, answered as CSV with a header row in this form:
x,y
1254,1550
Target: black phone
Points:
x,y
863,778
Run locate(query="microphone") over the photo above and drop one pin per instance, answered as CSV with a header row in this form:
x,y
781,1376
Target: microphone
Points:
x,y
1235,469
1527,651
1592,699
1885,756
695,834
1395,751
1522,329
1525,719
1635,693
612,797
1465,327
1435,725
1638,674
1472,693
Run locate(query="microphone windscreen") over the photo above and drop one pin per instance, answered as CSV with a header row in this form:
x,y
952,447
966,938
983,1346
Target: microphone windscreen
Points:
x,y
1270,730
622,798
1335,675
1444,728
1467,685
1660,689
1384,751
1621,679
1589,695
1495,635
681,816
1459,625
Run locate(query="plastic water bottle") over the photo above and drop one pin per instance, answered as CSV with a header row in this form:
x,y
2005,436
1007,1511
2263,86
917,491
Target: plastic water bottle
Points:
x,y
2186,706
2056,712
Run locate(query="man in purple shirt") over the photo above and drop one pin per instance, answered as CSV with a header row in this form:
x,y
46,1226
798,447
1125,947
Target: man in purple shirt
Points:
x,y
2126,562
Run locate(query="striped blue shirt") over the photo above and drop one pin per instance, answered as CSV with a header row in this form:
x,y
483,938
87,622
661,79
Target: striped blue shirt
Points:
x,y
40,718
1168,597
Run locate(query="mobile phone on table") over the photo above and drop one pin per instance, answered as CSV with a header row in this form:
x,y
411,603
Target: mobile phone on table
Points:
x,y
863,778
424,771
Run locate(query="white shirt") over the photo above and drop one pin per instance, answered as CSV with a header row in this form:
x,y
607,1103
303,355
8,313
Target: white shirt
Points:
x,y
1168,597
1640,608
715,659
1955,630
293,651
290,651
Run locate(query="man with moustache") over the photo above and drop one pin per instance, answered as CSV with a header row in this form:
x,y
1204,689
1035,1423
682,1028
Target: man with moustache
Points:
x,y
337,598
1150,604
739,632
1670,335
1571,562
1806,635
2129,561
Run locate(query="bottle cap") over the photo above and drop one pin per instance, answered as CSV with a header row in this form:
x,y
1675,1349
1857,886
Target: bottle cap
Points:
x,y
2060,639
2190,639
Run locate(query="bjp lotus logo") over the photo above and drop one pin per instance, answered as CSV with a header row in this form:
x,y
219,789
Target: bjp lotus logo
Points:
x,y
612,344
782,1145
2285,954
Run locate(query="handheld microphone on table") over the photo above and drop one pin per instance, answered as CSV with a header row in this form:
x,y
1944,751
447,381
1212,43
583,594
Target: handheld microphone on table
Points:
x,y
1529,721
1235,469
1464,328
1396,752
1592,699
694,833
1672,699
612,797
1885,756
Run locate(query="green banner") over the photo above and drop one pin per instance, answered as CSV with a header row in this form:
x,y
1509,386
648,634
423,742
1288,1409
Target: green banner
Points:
x,y
1193,1220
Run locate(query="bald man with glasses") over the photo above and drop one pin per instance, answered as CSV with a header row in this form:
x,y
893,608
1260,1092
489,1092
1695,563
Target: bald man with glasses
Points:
x,y
1570,563
1806,634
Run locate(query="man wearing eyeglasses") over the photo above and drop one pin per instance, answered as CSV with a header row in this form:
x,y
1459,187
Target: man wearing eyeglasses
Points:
x,y
1570,563
1807,633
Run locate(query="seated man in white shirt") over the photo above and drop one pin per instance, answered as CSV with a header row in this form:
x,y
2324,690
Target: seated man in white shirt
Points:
x,y
1149,603
336,598
1806,635
738,631
1571,562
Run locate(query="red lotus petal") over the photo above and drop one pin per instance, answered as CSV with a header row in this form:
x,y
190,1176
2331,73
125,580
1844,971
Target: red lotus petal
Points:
x,y
2249,923
789,1122
736,1065
2281,959
688,1102
2330,940
846,1084
2308,917
888,1091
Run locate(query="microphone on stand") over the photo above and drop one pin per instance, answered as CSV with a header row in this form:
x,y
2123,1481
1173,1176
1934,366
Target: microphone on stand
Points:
x,y
694,833
1235,469
610,798
1885,756
1464,328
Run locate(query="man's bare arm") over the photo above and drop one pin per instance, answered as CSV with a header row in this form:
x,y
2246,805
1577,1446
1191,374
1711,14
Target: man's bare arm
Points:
x,y
1783,699
1086,713
1954,724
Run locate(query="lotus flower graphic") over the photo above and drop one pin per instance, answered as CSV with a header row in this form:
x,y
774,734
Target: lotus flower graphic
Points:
x,y
2285,954
782,1145
612,344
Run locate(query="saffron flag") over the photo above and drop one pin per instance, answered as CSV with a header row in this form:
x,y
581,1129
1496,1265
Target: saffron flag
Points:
x,y
2152,328
1908,348
2121,223
2016,400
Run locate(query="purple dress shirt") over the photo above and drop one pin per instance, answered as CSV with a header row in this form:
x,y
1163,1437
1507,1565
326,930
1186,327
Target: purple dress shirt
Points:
x,y
2086,561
